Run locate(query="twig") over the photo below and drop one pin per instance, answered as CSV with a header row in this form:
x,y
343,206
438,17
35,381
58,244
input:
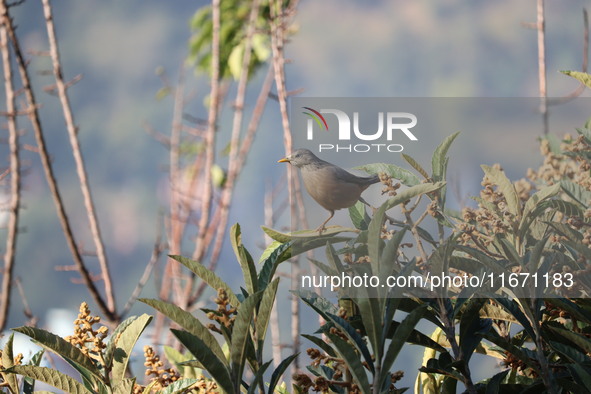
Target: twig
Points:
x,y
541,28
156,252
80,168
26,308
278,28
47,166
210,137
15,184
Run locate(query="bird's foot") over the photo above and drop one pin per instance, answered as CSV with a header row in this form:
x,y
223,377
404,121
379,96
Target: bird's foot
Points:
x,y
321,229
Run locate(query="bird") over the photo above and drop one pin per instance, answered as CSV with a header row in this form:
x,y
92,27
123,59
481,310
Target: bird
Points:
x,y
329,185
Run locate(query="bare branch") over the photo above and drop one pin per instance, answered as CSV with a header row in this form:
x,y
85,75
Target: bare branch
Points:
x,y
80,167
15,184
210,137
46,162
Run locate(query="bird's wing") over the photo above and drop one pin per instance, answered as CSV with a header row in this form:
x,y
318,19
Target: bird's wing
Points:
x,y
346,176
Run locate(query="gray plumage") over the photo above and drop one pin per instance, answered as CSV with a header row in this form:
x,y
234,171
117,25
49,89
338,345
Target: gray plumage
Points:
x,y
330,186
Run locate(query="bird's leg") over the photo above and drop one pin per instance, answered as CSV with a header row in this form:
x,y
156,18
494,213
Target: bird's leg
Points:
x,y
322,228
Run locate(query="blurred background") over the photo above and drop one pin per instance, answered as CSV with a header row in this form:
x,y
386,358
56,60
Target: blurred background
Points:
x,y
338,48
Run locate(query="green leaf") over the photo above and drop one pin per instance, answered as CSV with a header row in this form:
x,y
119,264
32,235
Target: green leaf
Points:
x,y
258,378
506,188
276,235
29,383
371,316
212,363
268,250
471,325
439,159
405,177
582,77
188,322
125,386
51,377
279,255
494,384
264,312
576,192
538,197
61,347
576,338
348,353
112,344
7,362
353,336
241,335
278,372
374,240
180,386
359,216
321,344
125,344
246,263
581,375
413,192
415,165
399,338
208,276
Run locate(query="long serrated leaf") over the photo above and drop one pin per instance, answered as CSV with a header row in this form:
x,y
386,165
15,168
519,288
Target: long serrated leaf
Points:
x,y
576,192
371,316
413,192
125,386
112,344
276,235
406,177
415,165
29,383
352,361
471,325
268,250
582,77
270,264
353,336
264,311
180,386
188,322
374,240
278,372
438,161
539,196
51,377
61,347
399,338
212,363
241,335
506,188
359,216
258,378
208,276
576,338
125,345
7,362
321,344
244,259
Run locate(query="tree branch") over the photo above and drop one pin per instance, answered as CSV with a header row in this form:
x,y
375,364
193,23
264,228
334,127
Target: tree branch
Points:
x,y
80,167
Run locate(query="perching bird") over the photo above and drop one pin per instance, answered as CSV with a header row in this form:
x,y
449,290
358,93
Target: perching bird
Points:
x,y
332,187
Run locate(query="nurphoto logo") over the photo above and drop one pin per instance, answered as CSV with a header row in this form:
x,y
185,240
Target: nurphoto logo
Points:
x,y
391,127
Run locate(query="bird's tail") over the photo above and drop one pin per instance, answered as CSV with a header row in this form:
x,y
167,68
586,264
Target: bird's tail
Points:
x,y
370,180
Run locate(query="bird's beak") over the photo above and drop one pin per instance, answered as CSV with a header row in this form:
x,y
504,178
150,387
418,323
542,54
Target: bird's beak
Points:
x,y
284,160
